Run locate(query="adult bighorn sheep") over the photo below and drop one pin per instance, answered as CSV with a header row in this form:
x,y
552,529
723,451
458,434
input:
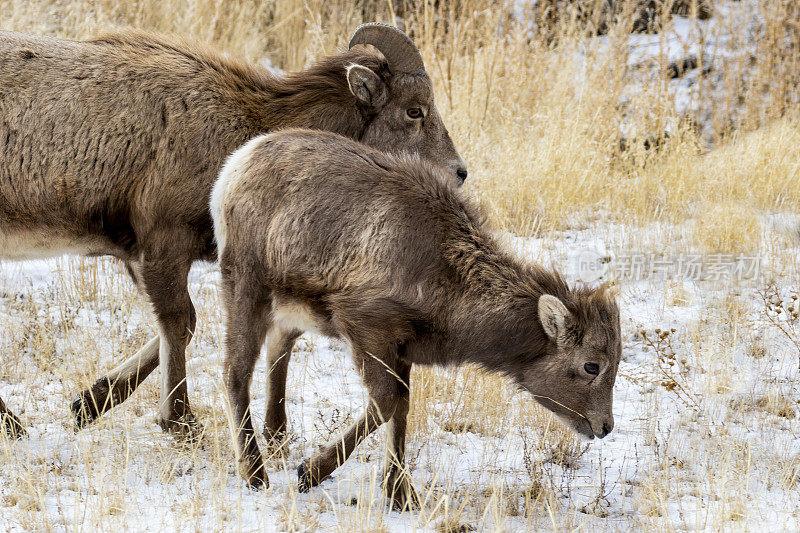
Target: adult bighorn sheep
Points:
x,y
319,233
110,147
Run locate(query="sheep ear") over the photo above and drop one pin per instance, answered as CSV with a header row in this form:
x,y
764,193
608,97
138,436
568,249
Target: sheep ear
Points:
x,y
366,86
553,315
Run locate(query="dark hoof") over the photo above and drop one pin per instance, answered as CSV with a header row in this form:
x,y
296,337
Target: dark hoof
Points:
x,y
101,397
304,483
12,426
257,484
186,429
257,480
84,410
406,502
402,494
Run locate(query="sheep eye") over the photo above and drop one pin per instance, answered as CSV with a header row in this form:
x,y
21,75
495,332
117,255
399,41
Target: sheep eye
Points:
x,y
414,113
592,368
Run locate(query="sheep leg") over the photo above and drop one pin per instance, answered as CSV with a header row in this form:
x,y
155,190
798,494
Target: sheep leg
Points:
x,y
114,388
279,351
167,287
396,481
384,393
162,275
248,319
10,423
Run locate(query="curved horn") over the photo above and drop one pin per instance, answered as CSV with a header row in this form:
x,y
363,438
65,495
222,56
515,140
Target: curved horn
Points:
x,y
398,49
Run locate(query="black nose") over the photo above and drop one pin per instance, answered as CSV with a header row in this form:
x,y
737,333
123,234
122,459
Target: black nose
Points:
x,y
606,430
462,174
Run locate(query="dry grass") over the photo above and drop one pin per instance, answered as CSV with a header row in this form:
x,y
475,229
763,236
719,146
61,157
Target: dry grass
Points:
x,y
540,125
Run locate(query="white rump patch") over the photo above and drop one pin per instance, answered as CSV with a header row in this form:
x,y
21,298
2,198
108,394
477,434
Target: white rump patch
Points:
x,y
228,176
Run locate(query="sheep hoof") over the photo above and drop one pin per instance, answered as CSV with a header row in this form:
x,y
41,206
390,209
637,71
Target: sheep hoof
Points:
x,y
12,425
401,493
84,410
256,477
185,429
304,483
91,403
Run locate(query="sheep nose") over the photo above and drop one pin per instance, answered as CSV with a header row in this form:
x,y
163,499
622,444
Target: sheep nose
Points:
x,y
607,427
462,174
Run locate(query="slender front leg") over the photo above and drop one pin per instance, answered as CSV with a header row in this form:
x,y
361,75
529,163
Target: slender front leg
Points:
x,y
381,381
10,423
165,282
114,388
396,480
279,351
248,319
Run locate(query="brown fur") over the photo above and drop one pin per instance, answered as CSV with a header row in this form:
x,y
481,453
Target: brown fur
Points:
x,y
111,146
319,232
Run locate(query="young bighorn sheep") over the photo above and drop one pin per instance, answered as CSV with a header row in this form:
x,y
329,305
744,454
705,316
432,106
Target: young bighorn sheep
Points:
x,y
319,233
110,147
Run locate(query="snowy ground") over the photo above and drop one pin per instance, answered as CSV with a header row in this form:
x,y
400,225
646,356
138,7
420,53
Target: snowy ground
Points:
x,y
703,58
706,444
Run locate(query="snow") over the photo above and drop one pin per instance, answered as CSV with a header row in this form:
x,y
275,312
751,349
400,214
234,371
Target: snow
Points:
x,y
718,46
714,460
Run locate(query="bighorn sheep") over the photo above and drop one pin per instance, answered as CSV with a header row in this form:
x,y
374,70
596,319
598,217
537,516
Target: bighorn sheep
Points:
x,y
319,233
110,147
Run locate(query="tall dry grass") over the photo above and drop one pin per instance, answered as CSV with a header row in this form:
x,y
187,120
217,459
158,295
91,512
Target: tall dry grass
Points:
x,y
539,119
